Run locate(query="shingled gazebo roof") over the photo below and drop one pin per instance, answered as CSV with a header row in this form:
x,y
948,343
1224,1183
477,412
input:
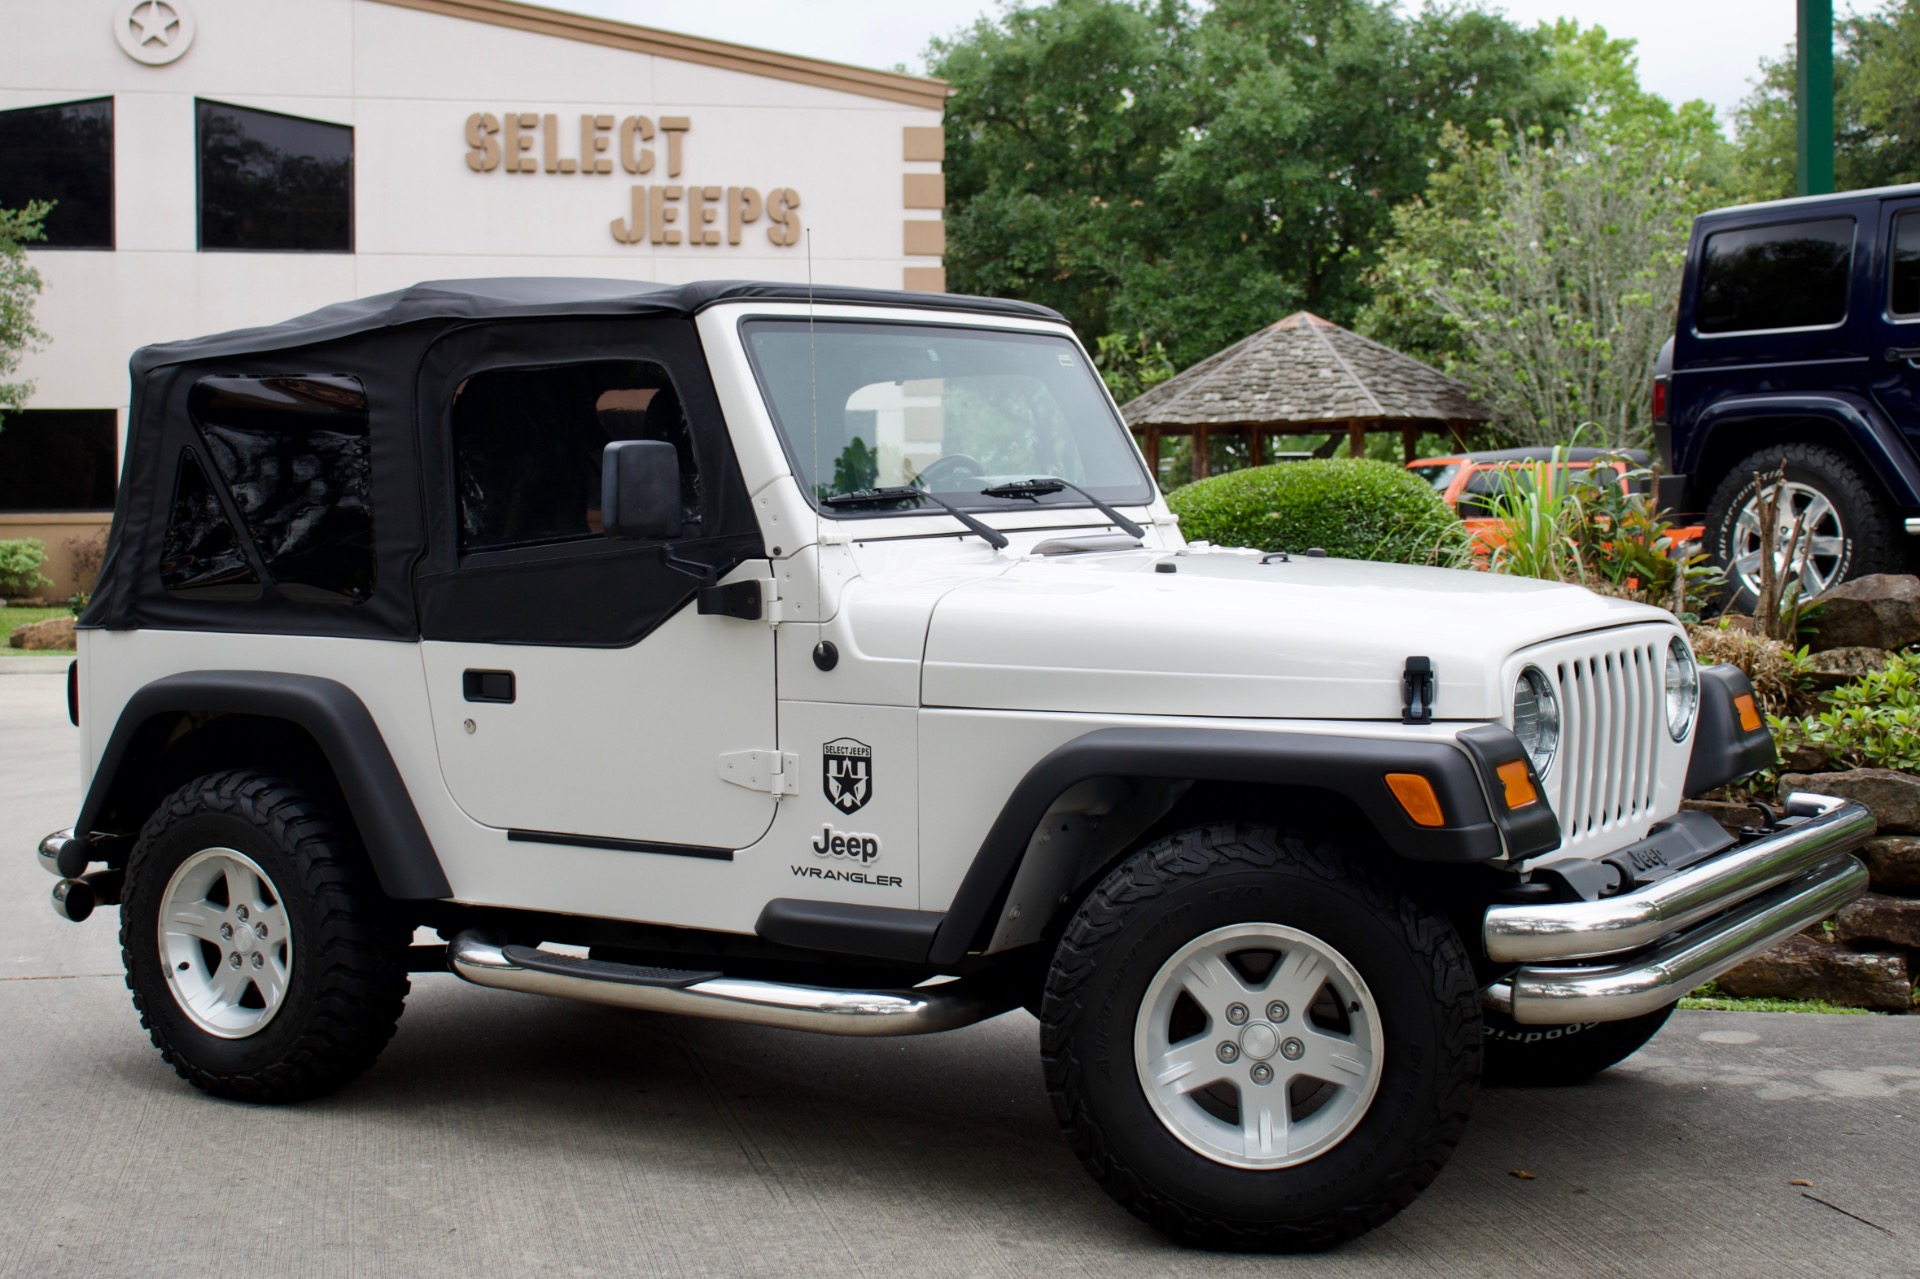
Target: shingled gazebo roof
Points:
x,y
1305,371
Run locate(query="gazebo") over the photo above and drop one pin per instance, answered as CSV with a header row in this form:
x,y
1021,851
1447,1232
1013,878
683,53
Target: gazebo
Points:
x,y
1299,376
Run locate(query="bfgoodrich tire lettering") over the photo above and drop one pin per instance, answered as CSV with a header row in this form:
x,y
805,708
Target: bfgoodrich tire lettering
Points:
x,y
1569,1054
1194,885
344,972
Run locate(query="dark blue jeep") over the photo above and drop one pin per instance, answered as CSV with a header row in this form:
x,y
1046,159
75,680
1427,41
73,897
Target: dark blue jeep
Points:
x,y
1798,343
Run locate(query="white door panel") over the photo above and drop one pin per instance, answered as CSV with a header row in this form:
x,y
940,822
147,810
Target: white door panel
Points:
x,y
621,743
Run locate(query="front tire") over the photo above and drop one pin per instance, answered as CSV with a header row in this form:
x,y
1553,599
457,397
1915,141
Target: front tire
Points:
x,y
1258,1041
1554,1056
265,962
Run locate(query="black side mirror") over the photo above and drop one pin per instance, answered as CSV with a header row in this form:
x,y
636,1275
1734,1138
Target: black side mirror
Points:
x,y
640,489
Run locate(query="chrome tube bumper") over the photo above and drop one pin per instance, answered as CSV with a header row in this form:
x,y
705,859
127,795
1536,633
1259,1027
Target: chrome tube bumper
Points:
x,y
1547,996
1523,934
918,1011
1678,932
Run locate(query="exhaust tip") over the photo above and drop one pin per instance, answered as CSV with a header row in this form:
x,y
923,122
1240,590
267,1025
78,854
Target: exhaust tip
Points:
x,y
73,899
64,854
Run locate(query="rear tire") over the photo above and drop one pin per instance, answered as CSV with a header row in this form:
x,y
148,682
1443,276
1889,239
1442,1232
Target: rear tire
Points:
x,y
1846,514
1347,1085
1554,1056
263,958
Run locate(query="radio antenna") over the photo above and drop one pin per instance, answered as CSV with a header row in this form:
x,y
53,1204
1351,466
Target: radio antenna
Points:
x,y
813,498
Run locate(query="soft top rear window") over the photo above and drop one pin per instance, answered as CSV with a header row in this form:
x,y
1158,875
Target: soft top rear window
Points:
x,y
1792,275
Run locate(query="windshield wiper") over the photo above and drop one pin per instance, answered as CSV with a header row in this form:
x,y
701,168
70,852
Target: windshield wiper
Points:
x,y
907,493
1041,485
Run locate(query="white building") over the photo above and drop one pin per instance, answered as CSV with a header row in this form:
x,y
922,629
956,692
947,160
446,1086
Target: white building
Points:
x,y
222,163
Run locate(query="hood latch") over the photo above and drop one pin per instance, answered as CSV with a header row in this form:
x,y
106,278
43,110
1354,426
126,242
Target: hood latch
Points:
x,y
1416,692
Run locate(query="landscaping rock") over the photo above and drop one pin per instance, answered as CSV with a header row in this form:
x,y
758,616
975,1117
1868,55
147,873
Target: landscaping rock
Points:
x,y
1802,968
1837,666
1894,864
1732,817
1879,921
1893,797
1807,757
1881,610
55,632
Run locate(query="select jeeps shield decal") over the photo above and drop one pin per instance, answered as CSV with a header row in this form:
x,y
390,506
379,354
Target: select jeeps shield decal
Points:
x,y
847,773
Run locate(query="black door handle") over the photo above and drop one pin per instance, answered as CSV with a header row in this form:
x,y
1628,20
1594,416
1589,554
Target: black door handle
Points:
x,y
487,686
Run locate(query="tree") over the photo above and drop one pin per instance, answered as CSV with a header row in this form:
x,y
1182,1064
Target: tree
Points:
x,y
1876,61
1543,268
1181,177
19,287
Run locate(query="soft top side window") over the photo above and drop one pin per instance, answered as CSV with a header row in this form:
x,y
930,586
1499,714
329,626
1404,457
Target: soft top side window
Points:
x,y
528,441
1793,275
293,451
201,552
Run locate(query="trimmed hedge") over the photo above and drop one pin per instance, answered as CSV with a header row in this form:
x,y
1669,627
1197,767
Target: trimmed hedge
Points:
x,y
1354,508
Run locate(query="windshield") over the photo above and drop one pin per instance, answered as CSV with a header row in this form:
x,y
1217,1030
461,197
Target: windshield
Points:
x,y
946,410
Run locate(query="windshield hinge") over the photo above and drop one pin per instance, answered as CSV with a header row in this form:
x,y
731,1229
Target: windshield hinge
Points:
x,y
768,771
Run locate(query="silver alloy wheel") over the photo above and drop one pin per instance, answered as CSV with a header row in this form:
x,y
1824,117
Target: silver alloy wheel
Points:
x,y
225,942
1281,1068
1822,552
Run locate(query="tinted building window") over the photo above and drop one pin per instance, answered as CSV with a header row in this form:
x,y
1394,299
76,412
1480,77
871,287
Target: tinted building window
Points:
x,y
1791,276
274,182
1905,296
201,552
293,452
528,443
58,460
62,153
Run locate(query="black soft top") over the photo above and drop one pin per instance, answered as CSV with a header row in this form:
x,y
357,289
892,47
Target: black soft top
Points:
x,y
528,297
407,353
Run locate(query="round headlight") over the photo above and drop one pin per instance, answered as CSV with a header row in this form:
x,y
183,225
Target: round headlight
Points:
x,y
1536,718
1683,688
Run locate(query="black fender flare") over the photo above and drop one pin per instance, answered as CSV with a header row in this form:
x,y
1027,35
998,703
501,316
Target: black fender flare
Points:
x,y
1460,770
337,721
1889,465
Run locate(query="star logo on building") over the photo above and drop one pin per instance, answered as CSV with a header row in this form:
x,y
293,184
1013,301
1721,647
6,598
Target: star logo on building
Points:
x,y
154,32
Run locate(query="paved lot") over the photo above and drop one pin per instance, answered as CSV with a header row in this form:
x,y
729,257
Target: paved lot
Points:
x,y
503,1135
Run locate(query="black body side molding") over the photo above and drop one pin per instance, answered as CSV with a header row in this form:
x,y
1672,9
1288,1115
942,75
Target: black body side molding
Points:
x,y
337,721
849,928
1723,751
1352,767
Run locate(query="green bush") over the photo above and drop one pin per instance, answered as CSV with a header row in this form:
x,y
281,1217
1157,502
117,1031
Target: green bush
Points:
x,y
1873,722
1352,507
20,562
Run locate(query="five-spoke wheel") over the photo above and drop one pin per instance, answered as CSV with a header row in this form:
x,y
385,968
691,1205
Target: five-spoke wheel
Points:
x,y
1258,1045
226,942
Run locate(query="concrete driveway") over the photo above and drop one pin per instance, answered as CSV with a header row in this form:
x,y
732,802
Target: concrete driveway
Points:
x,y
504,1135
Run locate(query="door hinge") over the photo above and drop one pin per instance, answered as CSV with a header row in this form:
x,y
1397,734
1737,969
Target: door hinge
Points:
x,y
754,600
769,771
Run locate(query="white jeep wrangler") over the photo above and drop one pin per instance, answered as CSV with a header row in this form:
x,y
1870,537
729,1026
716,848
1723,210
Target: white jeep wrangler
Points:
x,y
828,660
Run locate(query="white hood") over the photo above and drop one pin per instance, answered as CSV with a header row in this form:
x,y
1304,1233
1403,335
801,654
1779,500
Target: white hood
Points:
x,y
1225,635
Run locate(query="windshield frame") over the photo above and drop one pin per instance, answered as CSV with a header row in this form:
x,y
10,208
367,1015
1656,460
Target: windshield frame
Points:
x,y
972,502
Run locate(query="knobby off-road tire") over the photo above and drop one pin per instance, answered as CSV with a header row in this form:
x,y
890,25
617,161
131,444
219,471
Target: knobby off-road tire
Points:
x,y
264,961
1850,519
1397,1017
1552,1056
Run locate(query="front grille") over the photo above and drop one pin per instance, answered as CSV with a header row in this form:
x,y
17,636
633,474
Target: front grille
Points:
x,y
1611,711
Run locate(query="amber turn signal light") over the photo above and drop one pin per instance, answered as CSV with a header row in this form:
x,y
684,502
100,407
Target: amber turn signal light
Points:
x,y
1519,786
1415,794
1749,713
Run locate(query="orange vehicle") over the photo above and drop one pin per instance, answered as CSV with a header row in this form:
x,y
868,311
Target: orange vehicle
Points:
x,y
1469,482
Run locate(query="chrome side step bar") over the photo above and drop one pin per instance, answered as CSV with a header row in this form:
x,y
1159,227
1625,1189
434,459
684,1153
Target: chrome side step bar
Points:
x,y
919,1011
1826,829
1546,996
